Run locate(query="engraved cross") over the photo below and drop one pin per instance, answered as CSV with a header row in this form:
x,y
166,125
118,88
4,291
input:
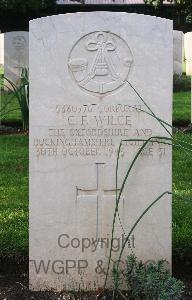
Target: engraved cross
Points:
x,y
99,192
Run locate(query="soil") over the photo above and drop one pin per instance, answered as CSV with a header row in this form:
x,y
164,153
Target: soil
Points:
x,y
15,287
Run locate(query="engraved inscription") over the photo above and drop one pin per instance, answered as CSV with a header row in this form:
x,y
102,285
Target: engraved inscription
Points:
x,y
100,62
96,131
19,44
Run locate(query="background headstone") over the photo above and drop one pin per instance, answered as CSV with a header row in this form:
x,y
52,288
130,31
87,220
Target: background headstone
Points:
x,y
188,52
16,53
178,52
188,59
1,49
81,106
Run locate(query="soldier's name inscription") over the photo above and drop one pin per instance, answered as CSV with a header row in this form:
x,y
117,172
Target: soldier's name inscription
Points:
x,y
92,130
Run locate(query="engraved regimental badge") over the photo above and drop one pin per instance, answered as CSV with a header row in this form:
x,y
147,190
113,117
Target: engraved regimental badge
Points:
x,y
100,62
19,43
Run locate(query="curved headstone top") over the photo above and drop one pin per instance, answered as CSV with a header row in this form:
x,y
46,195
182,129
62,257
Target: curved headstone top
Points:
x,y
88,75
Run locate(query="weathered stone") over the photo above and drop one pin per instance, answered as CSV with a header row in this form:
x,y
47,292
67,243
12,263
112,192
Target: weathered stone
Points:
x,y
178,52
86,70
16,53
188,52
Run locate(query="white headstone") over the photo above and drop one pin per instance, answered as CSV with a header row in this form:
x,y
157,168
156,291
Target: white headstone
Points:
x,y
178,52
16,47
81,107
188,52
1,49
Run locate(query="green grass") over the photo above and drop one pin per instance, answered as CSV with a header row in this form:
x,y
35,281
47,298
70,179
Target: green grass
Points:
x,y
182,210
182,108
13,194
14,198
1,77
1,70
9,106
10,111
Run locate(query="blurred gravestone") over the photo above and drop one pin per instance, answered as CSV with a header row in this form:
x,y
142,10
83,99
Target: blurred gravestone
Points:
x,y
178,52
16,53
188,53
188,59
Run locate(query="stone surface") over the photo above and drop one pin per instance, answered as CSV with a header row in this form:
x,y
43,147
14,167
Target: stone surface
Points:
x,y
16,48
1,49
188,52
178,52
86,70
